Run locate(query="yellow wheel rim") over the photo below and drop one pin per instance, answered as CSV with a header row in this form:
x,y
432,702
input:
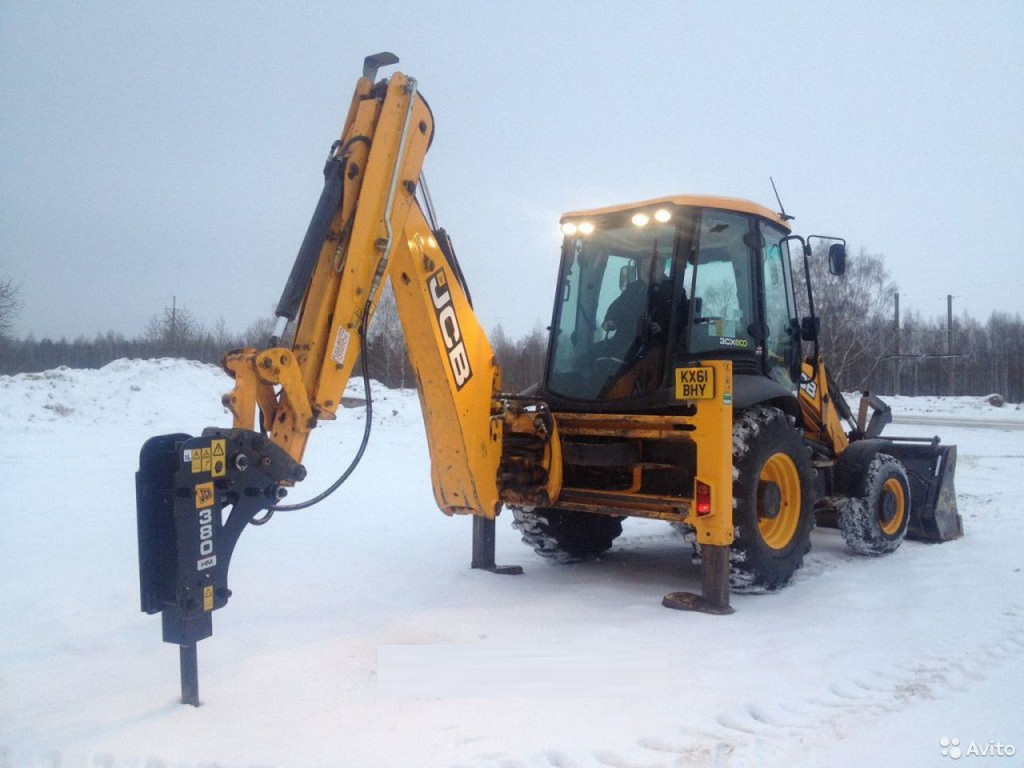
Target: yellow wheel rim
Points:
x,y
893,488
778,531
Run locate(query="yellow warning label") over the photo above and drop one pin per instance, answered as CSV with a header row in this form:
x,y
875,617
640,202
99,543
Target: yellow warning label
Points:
x,y
202,458
204,495
208,598
220,464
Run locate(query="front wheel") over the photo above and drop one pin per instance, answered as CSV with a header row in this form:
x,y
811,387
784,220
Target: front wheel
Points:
x,y
874,518
773,495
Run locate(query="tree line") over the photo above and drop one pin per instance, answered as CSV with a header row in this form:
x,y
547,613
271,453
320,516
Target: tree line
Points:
x,y
178,333
860,339
866,348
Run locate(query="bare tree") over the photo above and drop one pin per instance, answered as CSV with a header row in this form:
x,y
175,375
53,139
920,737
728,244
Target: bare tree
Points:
x,y
174,332
718,298
856,315
522,360
257,333
9,305
386,348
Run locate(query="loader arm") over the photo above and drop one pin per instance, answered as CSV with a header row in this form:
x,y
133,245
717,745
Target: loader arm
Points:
x,y
844,456
823,408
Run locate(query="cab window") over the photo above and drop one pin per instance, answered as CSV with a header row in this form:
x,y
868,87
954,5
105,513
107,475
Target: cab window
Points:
x,y
723,286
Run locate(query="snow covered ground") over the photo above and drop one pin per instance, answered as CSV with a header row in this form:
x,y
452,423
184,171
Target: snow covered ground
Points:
x,y
358,635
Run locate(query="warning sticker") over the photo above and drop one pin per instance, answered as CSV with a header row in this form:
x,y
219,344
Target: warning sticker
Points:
x,y
202,459
340,346
218,449
695,383
208,598
204,495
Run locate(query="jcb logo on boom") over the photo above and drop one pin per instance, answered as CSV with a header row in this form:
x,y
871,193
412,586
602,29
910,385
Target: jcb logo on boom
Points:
x,y
448,324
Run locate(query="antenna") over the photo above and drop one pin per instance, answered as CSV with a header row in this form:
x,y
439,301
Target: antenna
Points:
x,y
782,209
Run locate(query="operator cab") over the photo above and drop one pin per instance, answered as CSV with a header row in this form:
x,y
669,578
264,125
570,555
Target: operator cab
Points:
x,y
649,287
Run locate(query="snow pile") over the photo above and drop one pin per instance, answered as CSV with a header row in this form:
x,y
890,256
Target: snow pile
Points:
x,y
146,392
964,407
168,394
359,636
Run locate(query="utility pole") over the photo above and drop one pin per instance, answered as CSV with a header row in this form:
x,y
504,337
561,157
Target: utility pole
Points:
x,y
949,344
174,319
896,360
949,324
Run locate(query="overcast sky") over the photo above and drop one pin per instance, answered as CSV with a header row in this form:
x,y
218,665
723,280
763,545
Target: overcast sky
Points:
x,y
151,150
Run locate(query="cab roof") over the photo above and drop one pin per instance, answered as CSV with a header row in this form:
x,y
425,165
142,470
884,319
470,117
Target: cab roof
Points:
x,y
701,201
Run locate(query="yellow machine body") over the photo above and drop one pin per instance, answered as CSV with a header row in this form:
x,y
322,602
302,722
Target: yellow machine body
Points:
x,y
706,437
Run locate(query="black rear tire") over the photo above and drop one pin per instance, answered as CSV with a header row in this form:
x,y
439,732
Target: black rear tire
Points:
x,y
565,535
773,500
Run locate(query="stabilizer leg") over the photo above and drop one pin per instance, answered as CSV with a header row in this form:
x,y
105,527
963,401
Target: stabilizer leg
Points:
x,y
483,548
714,585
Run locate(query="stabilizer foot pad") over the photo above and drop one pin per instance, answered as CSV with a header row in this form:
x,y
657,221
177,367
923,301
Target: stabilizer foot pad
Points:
x,y
691,601
502,570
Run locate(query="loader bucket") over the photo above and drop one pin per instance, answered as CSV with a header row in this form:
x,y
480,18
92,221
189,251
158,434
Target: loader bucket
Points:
x,y
930,468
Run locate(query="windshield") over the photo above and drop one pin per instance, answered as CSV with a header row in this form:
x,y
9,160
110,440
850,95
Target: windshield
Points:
x,y
615,311
624,313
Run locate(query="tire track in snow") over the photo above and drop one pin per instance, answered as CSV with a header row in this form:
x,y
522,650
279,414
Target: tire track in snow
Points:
x,y
779,733
786,730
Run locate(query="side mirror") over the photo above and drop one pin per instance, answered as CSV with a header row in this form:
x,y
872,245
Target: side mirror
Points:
x,y
810,327
837,259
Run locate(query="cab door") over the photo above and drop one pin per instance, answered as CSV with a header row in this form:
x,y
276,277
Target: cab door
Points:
x,y
782,345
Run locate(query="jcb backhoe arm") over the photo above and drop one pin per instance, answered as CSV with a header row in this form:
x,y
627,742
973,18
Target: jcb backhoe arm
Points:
x,y
378,229
196,494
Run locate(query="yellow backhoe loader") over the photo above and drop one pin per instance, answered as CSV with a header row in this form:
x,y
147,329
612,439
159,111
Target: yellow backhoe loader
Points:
x,y
676,388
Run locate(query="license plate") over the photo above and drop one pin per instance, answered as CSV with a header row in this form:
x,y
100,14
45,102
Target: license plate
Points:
x,y
695,383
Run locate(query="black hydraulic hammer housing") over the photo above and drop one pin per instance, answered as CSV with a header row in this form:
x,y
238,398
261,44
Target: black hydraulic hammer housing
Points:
x,y
194,496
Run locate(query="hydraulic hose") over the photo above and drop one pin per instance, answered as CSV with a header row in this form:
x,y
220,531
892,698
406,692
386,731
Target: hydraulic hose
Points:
x,y
364,370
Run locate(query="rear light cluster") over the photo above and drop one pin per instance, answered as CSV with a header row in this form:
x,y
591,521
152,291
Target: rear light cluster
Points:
x,y
703,499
